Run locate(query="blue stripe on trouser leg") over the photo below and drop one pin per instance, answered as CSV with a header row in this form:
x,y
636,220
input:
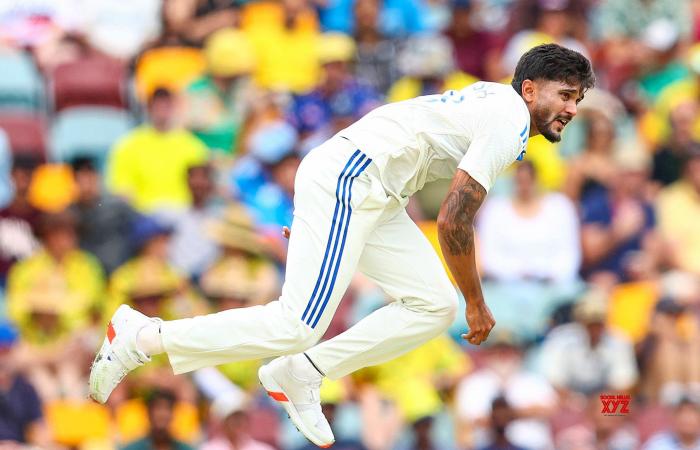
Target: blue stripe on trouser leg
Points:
x,y
342,245
345,173
336,238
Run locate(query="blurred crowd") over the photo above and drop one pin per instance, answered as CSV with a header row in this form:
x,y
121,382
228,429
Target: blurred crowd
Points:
x,y
148,150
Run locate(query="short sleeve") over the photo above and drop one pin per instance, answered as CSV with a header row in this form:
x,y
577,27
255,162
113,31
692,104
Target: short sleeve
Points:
x,y
492,151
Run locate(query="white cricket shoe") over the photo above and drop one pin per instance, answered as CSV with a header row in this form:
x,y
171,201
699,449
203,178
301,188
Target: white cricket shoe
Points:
x,y
118,354
301,400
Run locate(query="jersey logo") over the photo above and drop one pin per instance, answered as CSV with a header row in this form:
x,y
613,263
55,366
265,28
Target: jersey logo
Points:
x,y
523,142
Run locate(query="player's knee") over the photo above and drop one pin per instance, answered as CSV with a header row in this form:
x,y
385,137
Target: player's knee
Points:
x,y
448,306
304,337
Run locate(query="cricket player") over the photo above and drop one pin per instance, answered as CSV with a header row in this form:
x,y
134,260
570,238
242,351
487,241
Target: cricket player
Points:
x,y
349,214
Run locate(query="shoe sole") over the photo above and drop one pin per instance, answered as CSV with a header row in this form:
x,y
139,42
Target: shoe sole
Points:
x,y
276,392
104,349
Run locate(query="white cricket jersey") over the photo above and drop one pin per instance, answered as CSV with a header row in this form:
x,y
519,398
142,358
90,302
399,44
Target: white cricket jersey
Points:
x,y
481,129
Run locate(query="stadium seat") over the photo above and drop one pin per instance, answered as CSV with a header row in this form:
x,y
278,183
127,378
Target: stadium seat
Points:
x,y
90,81
87,131
26,133
21,85
6,189
170,67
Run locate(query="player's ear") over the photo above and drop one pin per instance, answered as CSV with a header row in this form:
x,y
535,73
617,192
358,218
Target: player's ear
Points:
x,y
529,91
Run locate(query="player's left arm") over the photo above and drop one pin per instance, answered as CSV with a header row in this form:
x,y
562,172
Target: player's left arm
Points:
x,y
456,236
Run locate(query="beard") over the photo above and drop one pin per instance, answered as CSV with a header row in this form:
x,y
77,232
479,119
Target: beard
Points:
x,y
545,124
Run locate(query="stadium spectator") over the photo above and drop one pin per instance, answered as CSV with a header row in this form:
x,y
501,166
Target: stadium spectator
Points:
x,y
104,220
337,100
376,53
593,169
584,356
192,21
669,158
232,412
58,266
397,18
244,257
427,65
685,433
503,374
19,219
264,179
191,250
619,221
284,35
218,103
678,207
161,404
552,21
502,414
669,354
475,50
21,418
510,228
148,167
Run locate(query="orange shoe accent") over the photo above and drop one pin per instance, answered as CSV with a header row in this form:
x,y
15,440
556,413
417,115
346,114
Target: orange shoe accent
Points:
x,y
110,333
279,396
326,446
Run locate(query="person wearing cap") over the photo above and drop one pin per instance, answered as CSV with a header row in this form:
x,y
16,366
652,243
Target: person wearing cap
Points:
x,y
219,102
104,220
678,208
231,410
243,275
503,373
685,429
586,356
75,272
338,99
148,281
427,65
148,166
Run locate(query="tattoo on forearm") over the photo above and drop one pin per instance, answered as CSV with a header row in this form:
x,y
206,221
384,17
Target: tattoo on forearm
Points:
x,y
461,206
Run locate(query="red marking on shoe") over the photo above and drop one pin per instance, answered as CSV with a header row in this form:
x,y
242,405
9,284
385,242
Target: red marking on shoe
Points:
x,y
110,333
278,396
326,446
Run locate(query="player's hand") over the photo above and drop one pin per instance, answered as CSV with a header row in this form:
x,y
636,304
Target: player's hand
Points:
x,y
286,232
480,321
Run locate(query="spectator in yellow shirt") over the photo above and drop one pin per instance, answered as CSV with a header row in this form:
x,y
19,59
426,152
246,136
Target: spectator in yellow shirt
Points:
x,y
60,264
149,165
678,208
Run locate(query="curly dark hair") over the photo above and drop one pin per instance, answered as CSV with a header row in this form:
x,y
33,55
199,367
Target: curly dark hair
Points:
x,y
556,63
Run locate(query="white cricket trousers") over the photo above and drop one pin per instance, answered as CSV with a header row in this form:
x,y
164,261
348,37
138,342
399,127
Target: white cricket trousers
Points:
x,y
343,221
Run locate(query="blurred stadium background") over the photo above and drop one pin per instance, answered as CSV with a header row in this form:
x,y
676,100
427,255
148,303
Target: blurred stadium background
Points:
x,y
147,155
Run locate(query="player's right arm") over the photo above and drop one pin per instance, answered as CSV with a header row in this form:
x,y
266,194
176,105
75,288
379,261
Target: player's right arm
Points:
x,y
456,236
